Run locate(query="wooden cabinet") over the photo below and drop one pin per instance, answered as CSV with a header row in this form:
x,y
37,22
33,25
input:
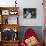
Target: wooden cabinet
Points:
x,y
9,23
10,43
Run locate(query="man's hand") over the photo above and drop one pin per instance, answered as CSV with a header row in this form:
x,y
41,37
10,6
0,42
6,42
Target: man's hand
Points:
x,y
31,41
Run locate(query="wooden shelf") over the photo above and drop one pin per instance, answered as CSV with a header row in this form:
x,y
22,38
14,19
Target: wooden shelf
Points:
x,y
9,43
10,26
7,13
9,8
4,24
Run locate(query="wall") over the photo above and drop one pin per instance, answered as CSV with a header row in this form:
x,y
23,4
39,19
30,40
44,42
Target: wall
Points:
x,y
27,4
32,4
7,3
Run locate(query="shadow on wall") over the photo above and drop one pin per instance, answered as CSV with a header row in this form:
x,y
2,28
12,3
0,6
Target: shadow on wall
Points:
x,y
37,29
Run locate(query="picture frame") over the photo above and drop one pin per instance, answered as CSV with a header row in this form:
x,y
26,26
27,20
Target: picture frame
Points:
x,y
5,12
13,12
29,13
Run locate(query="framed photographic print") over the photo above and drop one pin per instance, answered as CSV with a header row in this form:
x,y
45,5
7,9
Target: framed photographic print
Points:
x,y
5,12
13,12
29,12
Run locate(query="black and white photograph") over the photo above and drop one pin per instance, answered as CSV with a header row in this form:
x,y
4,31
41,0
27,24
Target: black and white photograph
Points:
x,y
29,13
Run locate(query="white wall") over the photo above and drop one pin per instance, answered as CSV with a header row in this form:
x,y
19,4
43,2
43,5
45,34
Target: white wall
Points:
x,y
27,4
32,4
7,3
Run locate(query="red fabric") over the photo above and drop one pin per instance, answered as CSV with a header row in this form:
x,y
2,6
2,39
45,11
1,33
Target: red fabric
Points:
x,y
28,33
